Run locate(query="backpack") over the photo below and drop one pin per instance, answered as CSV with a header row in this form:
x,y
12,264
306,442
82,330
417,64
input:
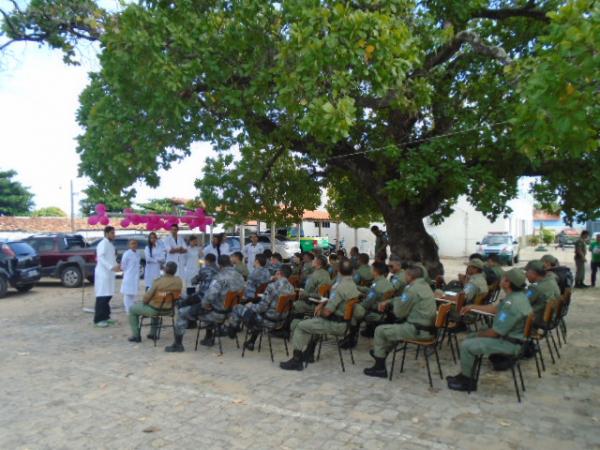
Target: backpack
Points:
x,y
565,277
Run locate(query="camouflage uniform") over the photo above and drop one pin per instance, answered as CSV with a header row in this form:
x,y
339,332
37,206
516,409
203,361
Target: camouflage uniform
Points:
x,y
265,311
227,280
304,306
540,293
416,310
367,309
258,276
363,275
273,268
475,286
333,325
205,277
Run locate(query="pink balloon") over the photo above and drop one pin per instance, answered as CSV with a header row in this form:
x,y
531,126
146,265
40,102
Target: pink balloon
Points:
x,y
135,219
104,220
93,220
125,223
100,208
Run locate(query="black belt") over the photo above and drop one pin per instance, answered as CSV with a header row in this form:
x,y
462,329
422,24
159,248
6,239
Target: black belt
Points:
x,y
334,318
512,340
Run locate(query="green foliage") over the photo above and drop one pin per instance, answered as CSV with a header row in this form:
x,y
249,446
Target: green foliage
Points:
x,y
115,201
50,211
158,205
534,240
553,208
15,199
548,236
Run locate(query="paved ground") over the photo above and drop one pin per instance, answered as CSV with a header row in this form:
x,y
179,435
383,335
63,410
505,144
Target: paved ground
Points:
x,y
66,384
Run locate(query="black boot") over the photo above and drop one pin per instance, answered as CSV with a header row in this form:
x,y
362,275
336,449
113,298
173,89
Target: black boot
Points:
x,y
461,383
309,354
369,331
378,370
177,346
351,339
209,338
295,363
232,331
249,344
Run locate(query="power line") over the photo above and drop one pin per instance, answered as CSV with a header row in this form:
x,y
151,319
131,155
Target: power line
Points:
x,y
416,141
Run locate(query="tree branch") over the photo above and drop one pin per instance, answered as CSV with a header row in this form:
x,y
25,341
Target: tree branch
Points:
x,y
527,11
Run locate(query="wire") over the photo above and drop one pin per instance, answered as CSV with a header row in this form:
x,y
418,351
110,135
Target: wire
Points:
x,y
416,141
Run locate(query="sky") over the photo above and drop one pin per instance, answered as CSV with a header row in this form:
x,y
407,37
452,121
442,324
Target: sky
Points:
x,y
38,103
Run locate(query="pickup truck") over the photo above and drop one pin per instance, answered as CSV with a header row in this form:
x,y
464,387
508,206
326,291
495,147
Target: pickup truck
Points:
x,y
64,256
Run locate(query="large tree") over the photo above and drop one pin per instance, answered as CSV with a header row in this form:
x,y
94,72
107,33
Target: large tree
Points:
x,y
15,199
396,107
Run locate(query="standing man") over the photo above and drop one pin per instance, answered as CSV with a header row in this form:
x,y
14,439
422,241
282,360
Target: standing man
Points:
x,y
130,265
104,278
595,251
381,244
176,249
580,254
252,249
217,247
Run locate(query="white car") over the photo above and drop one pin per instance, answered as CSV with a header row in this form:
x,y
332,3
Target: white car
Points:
x,y
501,244
283,245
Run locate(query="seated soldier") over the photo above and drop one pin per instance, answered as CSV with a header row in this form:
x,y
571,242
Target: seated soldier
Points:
x,y
397,269
562,274
259,276
203,280
333,266
276,263
363,276
475,282
505,336
210,310
265,311
268,253
415,312
354,257
368,308
541,290
329,319
304,307
307,267
237,259
296,264
493,264
151,303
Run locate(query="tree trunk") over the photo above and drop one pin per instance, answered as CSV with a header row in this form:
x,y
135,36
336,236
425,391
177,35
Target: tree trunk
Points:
x,y
411,242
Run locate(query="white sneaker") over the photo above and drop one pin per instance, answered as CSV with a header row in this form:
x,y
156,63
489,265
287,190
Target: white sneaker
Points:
x,y
102,324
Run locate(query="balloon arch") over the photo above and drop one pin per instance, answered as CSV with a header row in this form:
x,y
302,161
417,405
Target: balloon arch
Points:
x,y
154,221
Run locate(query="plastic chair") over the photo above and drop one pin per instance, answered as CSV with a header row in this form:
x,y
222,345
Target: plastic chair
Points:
x,y
325,290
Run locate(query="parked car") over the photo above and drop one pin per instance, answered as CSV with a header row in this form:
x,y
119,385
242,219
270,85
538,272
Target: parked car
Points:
x,y
64,256
501,244
19,267
285,246
121,243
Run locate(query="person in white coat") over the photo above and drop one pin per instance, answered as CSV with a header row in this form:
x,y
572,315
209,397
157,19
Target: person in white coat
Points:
x,y
130,265
154,255
104,278
194,253
217,247
251,250
175,249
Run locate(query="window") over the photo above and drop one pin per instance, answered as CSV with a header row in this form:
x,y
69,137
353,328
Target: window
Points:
x,y
316,224
325,224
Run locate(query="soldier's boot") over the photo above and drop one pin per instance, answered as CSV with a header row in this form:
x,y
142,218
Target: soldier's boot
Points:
x,y
209,338
249,344
351,339
177,346
296,363
309,354
232,331
461,383
378,370
369,331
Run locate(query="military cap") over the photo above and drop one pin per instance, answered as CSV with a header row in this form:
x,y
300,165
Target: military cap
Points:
x,y
516,277
550,260
477,263
536,266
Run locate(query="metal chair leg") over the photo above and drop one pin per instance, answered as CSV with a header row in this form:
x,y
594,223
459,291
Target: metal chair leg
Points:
x,y
197,337
403,357
217,331
393,361
340,353
245,340
437,358
427,365
554,343
259,342
270,346
320,345
452,350
512,369
417,352
287,353
537,364
521,376
539,351
456,345
549,348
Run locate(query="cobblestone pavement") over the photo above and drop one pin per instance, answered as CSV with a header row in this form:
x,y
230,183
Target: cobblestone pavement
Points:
x,y
68,385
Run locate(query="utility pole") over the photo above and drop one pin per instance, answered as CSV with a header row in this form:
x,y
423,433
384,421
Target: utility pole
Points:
x,y
72,207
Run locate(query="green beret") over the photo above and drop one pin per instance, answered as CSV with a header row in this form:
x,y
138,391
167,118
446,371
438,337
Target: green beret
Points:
x,y
476,262
535,265
516,277
549,259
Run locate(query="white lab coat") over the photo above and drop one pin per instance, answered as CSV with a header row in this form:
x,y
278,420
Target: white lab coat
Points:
x,y
250,252
104,277
178,258
153,263
191,264
210,249
130,263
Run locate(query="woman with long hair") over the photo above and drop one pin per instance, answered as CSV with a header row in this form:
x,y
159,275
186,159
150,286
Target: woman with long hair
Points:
x,y
155,258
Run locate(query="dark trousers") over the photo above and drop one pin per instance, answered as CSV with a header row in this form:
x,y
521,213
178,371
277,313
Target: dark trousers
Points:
x,y
190,290
102,310
595,266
